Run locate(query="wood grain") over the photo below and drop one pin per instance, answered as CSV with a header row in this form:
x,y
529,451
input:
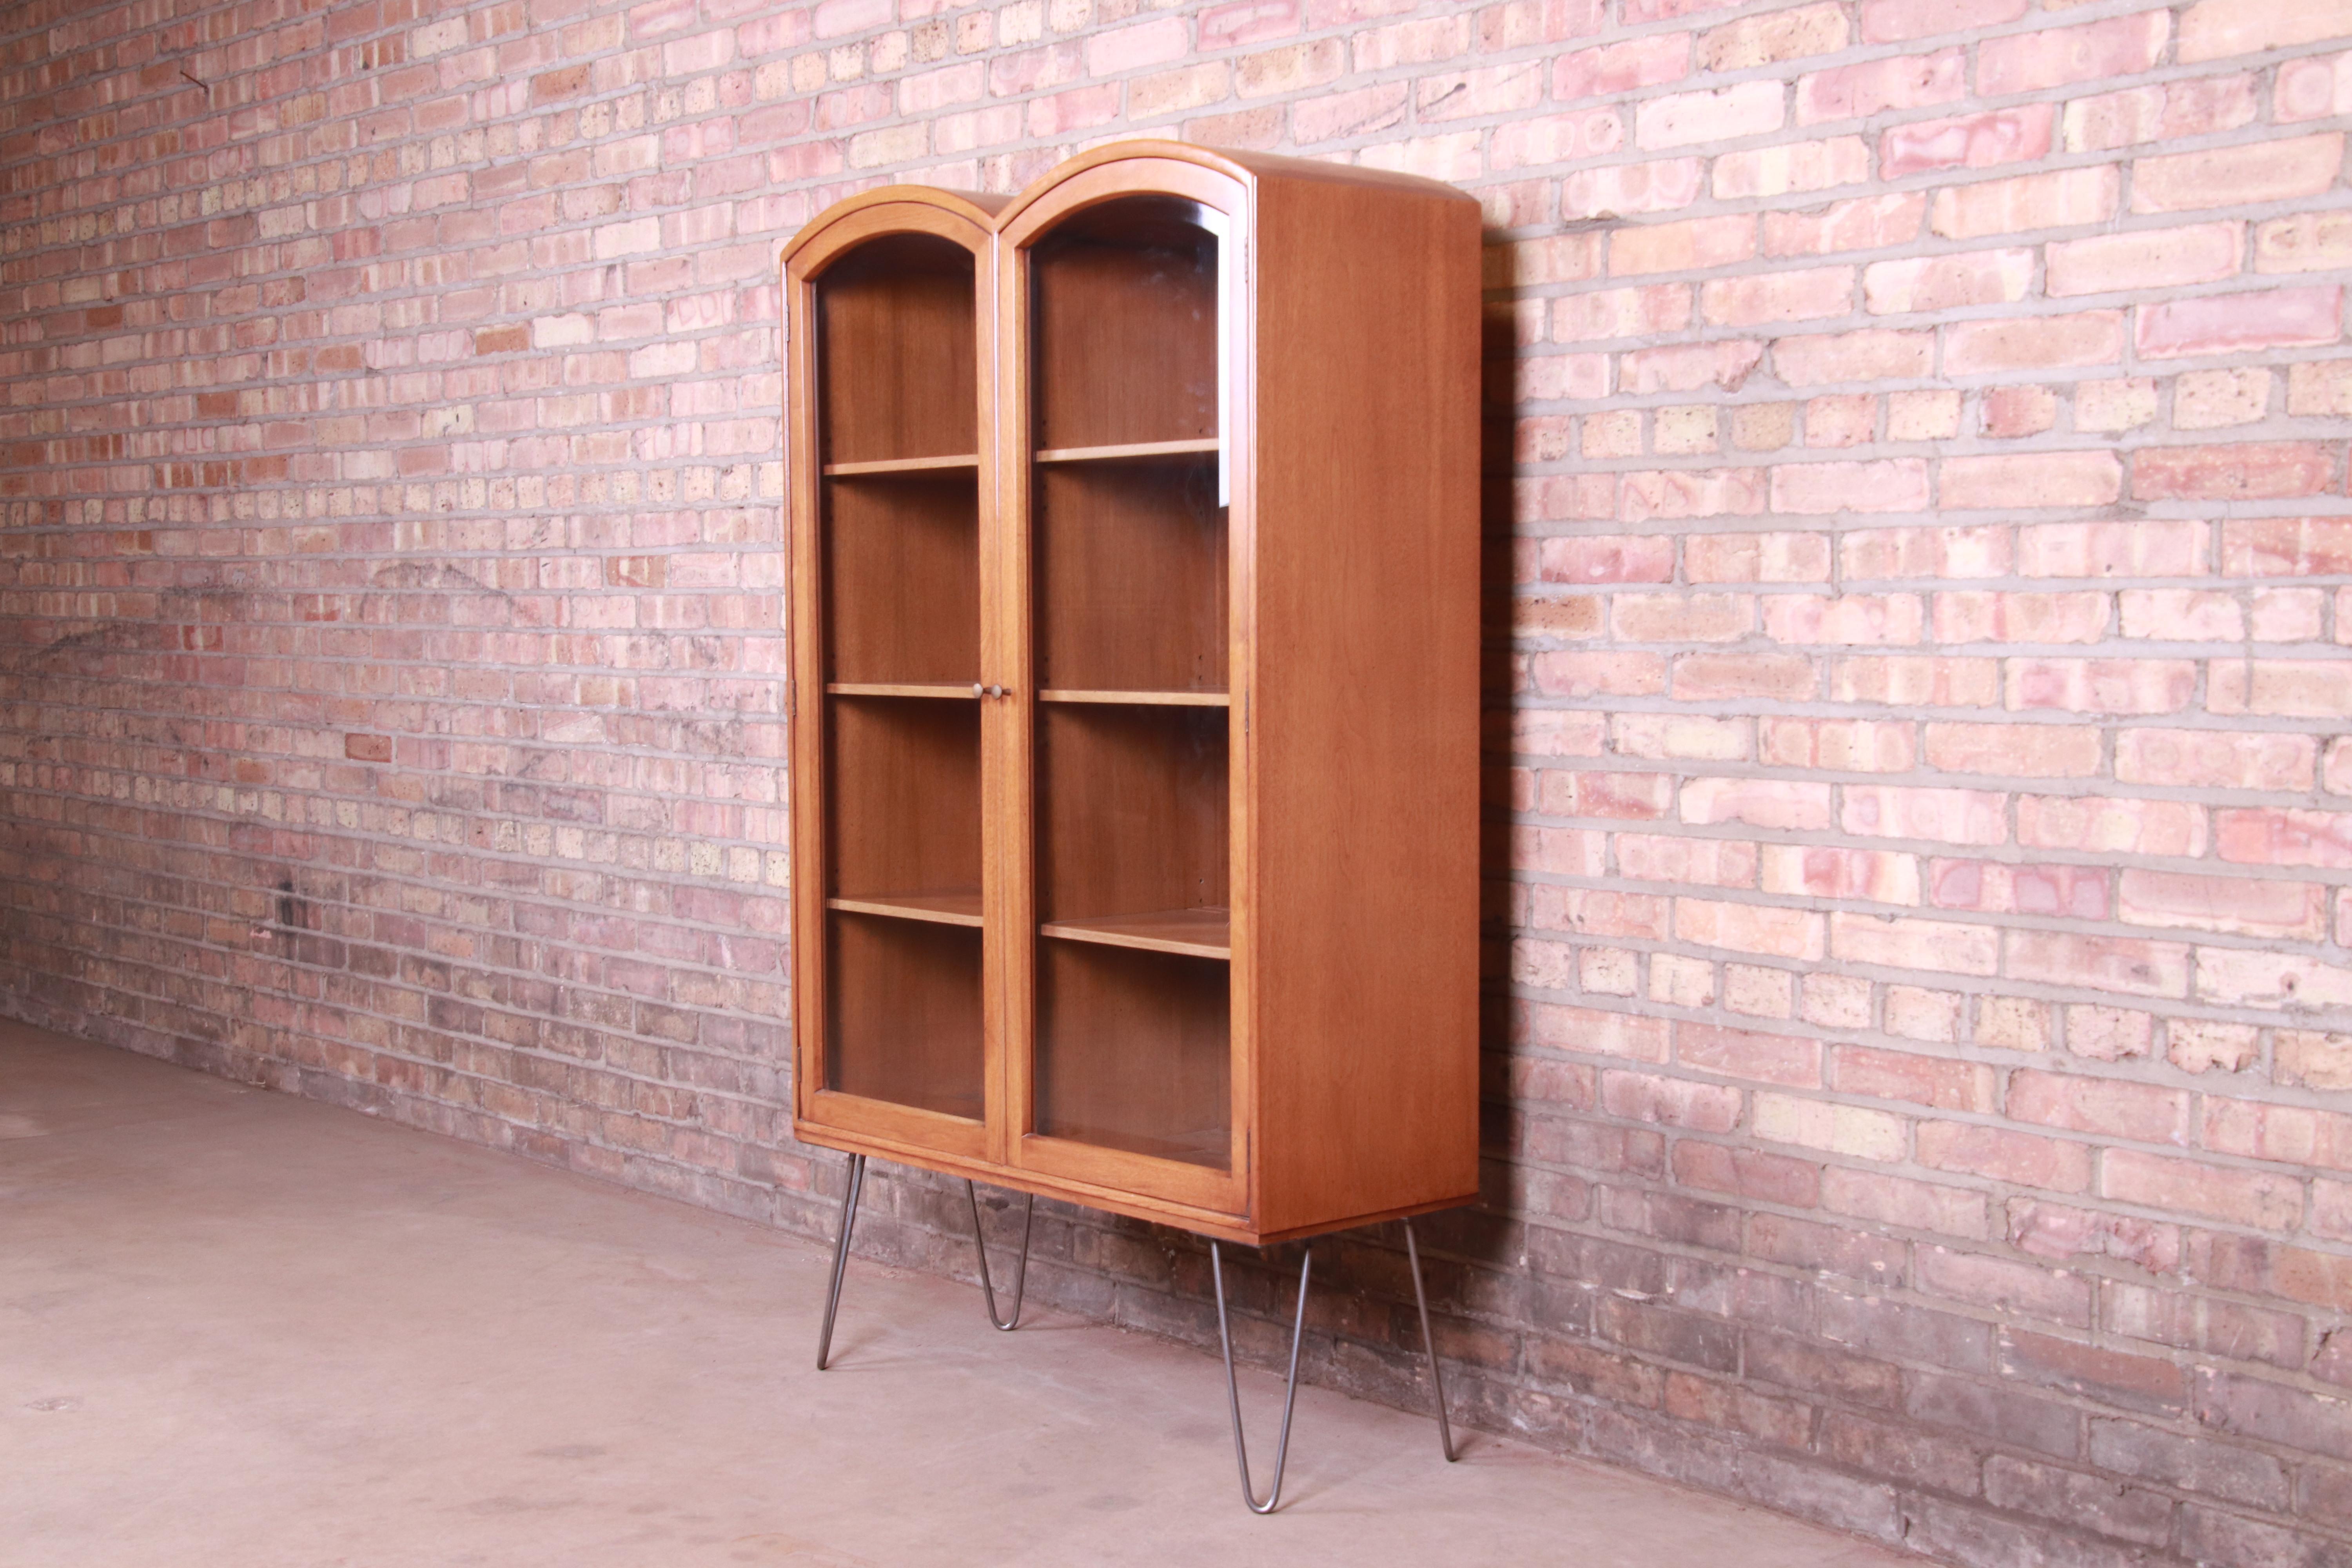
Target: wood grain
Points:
x,y
1197,932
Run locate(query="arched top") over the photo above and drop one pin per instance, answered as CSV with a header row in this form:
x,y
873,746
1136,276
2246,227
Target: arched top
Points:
x,y
978,208
992,214
1249,168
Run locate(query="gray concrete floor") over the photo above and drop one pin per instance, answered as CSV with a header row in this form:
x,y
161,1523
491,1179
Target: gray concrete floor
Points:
x,y
241,1329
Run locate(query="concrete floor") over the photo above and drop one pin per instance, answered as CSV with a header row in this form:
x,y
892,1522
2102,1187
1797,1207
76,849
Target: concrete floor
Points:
x,y
241,1329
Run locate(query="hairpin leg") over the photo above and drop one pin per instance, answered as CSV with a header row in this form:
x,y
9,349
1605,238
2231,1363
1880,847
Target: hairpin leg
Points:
x,y
1020,1274
1436,1378
840,1254
1233,1391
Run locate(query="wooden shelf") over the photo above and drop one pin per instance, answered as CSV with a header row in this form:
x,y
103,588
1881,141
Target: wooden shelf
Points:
x,y
940,909
969,462
1144,699
1196,933
889,688
1126,451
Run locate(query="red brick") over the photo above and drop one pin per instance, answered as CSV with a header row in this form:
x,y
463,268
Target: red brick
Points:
x,y
1691,245
2143,1113
2252,1198
1899,942
2256,469
1781,296
1936,1081
2023,1159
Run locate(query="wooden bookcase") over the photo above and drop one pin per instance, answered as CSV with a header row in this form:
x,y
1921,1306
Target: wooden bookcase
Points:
x,y
1134,687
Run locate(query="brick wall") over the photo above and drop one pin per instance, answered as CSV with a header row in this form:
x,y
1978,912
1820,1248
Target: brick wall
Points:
x,y
1921,1075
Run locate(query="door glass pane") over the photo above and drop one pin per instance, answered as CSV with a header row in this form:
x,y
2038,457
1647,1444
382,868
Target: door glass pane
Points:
x,y
898,431
1131,623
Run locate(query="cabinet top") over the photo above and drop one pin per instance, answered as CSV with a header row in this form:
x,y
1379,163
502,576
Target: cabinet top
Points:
x,y
990,211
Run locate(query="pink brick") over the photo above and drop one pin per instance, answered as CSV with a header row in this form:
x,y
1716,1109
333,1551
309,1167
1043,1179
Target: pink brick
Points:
x,y
2210,759
2022,1159
1865,223
2029,480
1617,69
2262,836
2234,176
1739,1053
1851,619
2214,28
1900,941
2180,900
2196,107
1872,354
1859,91
1779,296
1939,815
1945,282
1684,120
2120,685
2287,547
2146,259
2252,1198
1749,928
1871,876
2034,343
2240,323
2067,199
1899,21
1689,245
1619,189
2028,62
1621,314
2136,549
1783,805
1968,142
1648,558
2078,892
2265,469
2013,751
2112,825
2098,963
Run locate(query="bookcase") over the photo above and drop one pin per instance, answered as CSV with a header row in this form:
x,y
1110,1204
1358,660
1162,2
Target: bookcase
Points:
x,y
1134,686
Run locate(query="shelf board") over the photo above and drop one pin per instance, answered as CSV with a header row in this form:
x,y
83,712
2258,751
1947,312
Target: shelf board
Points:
x,y
968,461
940,909
1128,451
886,689
1144,699
1197,933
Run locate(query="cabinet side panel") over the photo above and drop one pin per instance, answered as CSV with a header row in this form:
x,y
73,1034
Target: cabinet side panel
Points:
x,y
1364,701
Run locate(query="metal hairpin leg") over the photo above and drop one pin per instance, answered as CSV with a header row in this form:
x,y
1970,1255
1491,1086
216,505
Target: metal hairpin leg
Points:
x,y
1429,1343
841,1255
1233,1390
1019,1275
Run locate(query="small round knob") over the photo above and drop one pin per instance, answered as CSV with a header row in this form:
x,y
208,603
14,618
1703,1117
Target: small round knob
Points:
x,y
978,691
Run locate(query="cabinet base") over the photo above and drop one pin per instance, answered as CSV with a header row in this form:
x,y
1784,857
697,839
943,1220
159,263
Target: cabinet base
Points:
x,y
1206,1223
857,1182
